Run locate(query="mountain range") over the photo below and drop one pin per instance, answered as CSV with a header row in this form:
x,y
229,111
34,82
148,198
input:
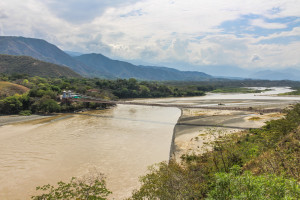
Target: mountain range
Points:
x,y
98,65
121,69
92,65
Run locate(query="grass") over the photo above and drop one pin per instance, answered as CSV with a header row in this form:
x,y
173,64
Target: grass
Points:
x,y
254,118
296,92
238,90
9,89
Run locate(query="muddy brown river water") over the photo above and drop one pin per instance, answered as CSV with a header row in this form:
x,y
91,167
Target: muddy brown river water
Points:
x,y
120,142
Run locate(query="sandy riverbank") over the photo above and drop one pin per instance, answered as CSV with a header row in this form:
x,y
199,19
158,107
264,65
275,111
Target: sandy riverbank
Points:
x,y
11,119
196,128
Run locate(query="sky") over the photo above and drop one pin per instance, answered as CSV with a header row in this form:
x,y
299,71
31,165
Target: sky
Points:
x,y
250,34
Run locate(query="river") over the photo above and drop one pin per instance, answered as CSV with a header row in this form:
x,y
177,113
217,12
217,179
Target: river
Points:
x,y
120,142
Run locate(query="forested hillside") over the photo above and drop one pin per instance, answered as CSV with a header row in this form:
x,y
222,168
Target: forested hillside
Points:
x,y
27,65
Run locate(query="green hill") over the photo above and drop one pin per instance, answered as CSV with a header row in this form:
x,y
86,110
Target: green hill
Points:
x,y
27,65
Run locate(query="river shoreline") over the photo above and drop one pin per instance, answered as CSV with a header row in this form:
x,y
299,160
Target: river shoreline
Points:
x,y
196,128
12,119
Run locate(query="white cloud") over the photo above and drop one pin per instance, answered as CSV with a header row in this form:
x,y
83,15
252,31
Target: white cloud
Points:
x,y
261,23
156,31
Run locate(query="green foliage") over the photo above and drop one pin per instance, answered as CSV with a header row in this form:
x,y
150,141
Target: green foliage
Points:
x,y
12,104
25,112
46,105
93,188
238,185
237,90
296,92
171,181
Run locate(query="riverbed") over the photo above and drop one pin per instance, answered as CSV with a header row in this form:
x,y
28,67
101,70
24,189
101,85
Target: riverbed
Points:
x,y
120,142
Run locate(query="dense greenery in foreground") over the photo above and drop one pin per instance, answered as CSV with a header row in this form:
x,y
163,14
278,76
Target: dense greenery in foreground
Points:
x,y
257,164
253,165
43,96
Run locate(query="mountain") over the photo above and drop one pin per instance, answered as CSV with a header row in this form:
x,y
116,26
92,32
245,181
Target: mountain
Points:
x,y
91,65
26,65
120,69
285,74
73,53
224,71
41,50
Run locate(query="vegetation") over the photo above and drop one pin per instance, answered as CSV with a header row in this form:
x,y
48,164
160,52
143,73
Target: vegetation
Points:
x,y
43,96
257,164
9,89
238,90
225,83
296,92
237,185
89,188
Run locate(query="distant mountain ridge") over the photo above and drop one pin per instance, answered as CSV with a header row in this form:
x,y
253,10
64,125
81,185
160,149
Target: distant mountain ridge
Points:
x,y
121,69
92,65
285,74
40,49
27,65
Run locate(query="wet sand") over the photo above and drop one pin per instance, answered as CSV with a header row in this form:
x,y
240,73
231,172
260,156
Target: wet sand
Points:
x,y
11,119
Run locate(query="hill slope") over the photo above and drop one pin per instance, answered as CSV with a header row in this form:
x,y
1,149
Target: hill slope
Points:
x,y
27,65
9,89
121,69
40,49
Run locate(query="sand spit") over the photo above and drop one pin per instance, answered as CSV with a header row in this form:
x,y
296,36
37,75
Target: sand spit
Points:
x,y
196,128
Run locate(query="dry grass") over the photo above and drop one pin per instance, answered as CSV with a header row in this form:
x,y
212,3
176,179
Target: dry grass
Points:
x,y
255,118
9,89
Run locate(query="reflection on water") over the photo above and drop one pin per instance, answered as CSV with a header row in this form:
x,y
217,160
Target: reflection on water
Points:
x,y
120,142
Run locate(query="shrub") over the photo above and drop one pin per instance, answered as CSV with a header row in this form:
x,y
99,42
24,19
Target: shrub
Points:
x,y
25,112
234,185
89,188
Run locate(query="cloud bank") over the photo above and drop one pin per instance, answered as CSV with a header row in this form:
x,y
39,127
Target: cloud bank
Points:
x,y
244,33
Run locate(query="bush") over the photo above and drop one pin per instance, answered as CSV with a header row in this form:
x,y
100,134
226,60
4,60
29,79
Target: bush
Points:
x,y
171,181
89,188
235,185
11,105
46,105
25,112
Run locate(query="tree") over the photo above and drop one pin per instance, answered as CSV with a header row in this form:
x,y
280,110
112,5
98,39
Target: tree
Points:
x,y
47,105
89,188
11,105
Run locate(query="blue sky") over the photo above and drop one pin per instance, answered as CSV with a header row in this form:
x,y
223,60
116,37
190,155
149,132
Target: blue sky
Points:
x,y
182,33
